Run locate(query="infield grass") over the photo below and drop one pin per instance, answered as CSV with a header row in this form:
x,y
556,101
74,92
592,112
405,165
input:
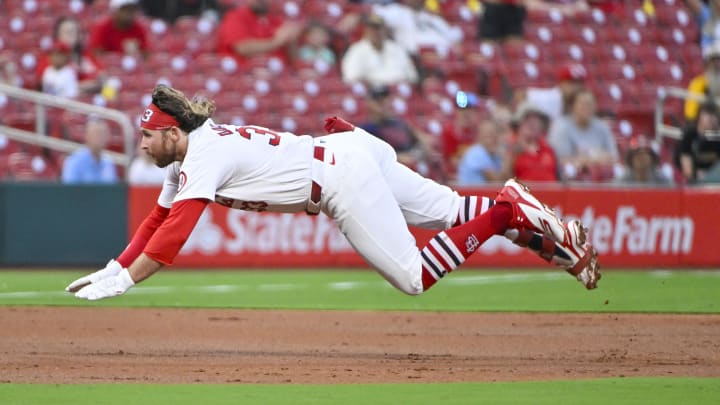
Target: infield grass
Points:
x,y
464,290
656,391
647,291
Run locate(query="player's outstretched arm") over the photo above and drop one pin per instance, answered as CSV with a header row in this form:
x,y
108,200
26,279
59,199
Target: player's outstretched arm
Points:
x,y
131,252
162,248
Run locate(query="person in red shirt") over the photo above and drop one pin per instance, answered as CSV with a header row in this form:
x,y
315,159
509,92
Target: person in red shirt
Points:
x,y
120,31
253,30
530,156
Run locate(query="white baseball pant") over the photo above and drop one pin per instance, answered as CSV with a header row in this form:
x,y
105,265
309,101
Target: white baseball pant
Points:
x,y
373,199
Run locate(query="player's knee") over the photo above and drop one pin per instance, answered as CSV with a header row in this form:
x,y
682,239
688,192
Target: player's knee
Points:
x,y
413,291
409,286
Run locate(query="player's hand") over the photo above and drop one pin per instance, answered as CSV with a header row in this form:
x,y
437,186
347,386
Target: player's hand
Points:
x,y
107,287
113,268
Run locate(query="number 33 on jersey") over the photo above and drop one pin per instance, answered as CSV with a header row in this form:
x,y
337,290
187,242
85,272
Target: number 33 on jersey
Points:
x,y
244,167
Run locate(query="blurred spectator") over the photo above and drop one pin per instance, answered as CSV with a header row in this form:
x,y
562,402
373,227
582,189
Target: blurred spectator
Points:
x,y
483,161
316,47
9,71
711,175
707,83
529,156
254,30
413,147
88,164
121,31
143,171
583,142
171,10
502,20
413,27
707,15
67,32
60,78
554,100
503,116
642,164
377,60
461,131
699,148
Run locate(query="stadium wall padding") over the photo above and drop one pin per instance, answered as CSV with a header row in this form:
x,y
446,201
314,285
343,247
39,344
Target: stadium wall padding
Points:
x,y
61,225
630,227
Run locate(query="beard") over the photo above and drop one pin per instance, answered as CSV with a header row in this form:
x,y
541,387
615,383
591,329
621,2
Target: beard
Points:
x,y
166,156
163,161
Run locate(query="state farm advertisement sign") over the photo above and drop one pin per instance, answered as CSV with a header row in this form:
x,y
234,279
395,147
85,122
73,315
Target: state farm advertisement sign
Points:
x,y
628,227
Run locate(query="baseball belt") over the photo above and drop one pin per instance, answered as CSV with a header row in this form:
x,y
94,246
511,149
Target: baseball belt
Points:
x,y
321,156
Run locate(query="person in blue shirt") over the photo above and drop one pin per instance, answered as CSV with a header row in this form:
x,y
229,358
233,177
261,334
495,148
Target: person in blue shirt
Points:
x,y
88,165
707,16
483,161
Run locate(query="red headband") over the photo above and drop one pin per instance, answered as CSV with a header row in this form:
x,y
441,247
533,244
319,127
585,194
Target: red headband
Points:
x,y
154,118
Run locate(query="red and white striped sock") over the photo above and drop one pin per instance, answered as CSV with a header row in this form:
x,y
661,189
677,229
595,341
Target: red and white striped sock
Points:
x,y
449,249
472,206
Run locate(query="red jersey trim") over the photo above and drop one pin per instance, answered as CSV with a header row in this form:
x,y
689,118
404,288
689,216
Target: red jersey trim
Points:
x,y
170,237
142,235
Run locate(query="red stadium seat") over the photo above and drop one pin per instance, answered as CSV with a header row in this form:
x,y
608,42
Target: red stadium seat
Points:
x,y
569,52
9,146
328,12
186,25
24,166
668,74
526,74
549,33
546,17
486,55
525,51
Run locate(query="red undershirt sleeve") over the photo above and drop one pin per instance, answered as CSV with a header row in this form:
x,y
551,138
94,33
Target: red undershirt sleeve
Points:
x,y
142,235
170,237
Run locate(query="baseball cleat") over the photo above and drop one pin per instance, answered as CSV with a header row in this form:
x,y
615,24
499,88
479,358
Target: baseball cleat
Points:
x,y
584,263
529,212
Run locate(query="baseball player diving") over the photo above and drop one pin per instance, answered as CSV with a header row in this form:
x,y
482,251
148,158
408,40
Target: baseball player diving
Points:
x,y
350,175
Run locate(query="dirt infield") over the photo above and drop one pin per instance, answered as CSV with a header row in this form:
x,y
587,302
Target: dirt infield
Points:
x,y
85,345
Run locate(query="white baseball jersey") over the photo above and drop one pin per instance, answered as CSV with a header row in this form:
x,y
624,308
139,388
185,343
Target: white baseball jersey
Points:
x,y
245,167
371,196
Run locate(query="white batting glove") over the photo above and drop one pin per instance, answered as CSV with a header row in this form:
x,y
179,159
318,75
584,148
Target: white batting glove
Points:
x,y
113,268
108,287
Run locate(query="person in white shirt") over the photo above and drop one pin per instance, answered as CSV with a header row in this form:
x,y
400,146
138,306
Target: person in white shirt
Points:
x,y
60,77
553,101
413,27
376,60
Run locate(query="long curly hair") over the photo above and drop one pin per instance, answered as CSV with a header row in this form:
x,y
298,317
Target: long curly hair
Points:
x,y
190,114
